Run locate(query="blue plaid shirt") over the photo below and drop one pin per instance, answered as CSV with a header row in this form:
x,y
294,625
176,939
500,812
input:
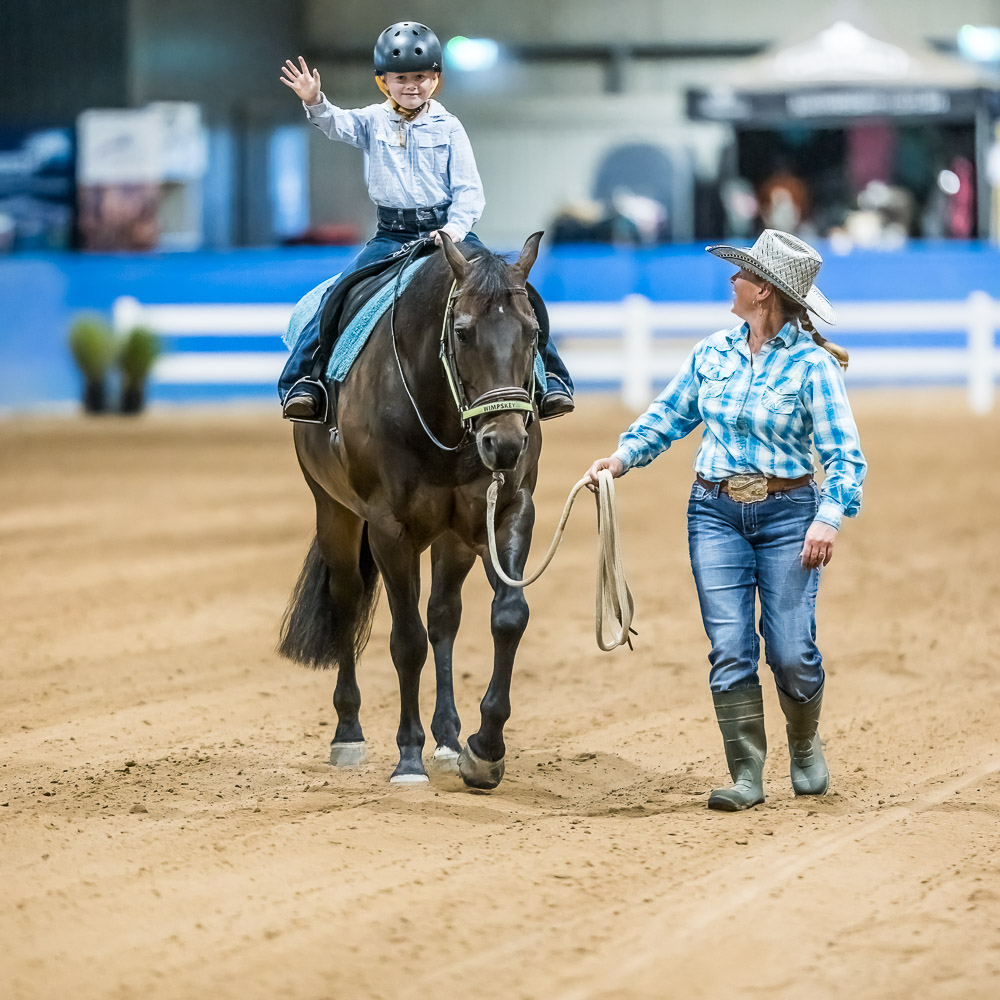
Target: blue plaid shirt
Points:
x,y
417,164
762,416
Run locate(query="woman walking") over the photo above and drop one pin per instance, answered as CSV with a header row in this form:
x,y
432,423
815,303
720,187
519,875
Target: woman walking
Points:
x,y
767,390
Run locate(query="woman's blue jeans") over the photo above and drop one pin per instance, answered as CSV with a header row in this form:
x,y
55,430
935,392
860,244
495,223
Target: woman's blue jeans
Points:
x,y
742,551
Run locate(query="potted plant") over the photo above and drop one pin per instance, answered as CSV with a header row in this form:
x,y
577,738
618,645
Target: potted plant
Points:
x,y
93,345
139,350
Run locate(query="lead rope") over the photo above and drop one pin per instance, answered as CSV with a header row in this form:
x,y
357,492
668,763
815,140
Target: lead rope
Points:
x,y
613,594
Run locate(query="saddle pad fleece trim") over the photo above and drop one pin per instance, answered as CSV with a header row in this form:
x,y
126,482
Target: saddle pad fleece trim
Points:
x,y
305,309
540,372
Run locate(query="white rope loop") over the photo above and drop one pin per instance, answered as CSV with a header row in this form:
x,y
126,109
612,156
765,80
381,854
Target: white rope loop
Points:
x,y
614,598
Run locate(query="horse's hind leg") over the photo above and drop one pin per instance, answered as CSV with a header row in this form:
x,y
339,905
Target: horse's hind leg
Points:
x,y
451,561
352,582
399,563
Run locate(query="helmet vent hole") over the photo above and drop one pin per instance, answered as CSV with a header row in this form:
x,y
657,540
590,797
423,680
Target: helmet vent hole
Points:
x,y
418,51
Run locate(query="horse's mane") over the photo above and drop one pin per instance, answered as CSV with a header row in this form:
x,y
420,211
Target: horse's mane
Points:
x,y
489,282
489,279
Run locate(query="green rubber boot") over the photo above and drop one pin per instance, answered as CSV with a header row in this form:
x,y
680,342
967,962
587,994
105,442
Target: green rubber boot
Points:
x,y
741,719
810,775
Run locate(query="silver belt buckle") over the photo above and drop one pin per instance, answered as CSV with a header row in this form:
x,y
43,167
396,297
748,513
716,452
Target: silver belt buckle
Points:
x,y
747,487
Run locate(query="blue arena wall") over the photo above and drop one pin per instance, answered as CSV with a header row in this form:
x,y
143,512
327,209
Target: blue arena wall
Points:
x,y
40,294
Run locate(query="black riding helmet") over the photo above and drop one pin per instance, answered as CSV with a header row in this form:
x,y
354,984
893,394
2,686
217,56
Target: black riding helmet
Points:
x,y
407,47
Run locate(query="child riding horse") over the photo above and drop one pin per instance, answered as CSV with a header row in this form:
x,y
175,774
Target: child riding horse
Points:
x,y
412,473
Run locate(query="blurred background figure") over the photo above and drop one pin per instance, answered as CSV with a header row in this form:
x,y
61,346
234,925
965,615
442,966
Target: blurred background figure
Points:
x,y
783,202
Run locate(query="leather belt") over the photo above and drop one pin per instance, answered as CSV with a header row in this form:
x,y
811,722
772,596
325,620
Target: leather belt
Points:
x,y
417,219
751,488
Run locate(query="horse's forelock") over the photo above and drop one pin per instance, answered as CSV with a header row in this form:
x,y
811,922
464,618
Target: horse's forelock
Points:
x,y
490,280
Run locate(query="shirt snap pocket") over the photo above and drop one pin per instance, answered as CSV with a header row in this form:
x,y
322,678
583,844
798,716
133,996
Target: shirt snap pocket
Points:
x,y
432,150
783,396
713,380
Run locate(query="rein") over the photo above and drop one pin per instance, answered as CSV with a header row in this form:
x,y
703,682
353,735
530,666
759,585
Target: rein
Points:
x,y
614,597
493,401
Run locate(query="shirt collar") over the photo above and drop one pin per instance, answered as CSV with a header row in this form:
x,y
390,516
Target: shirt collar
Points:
x,y
787,335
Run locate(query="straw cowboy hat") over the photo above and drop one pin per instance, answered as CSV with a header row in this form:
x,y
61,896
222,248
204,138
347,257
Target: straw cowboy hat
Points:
x,y
788,264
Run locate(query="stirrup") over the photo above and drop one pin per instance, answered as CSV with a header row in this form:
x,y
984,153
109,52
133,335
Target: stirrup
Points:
x,y
323,405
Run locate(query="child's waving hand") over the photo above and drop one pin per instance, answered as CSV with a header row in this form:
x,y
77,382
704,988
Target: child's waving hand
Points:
x,y
302,80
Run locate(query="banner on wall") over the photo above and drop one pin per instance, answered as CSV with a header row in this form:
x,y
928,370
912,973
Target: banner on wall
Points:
x,y
37,192
139,175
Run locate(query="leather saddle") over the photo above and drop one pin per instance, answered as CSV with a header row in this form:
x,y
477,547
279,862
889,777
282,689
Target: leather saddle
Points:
x,y
349,296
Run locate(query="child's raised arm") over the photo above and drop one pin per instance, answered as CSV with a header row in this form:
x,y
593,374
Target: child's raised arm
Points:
x,y
302,80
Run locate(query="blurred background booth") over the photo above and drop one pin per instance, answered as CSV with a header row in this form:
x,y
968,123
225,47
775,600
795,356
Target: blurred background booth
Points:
x,y
867,140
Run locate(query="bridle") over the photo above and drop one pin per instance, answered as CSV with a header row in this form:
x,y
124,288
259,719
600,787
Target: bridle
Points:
x,y
503,398
508,397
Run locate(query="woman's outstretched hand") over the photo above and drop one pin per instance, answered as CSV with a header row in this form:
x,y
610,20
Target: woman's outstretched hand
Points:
x,y
302,80
612,464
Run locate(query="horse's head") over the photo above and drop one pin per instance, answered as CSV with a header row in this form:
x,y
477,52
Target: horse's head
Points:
x,y
491,343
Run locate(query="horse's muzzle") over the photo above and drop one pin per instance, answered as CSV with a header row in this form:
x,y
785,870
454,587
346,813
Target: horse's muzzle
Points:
x,y
501,441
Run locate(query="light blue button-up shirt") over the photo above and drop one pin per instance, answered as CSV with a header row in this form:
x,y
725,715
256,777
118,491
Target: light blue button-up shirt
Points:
x,y
761,415
417,164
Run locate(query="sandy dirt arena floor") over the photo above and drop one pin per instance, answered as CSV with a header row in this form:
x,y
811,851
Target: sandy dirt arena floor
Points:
x,y
170,827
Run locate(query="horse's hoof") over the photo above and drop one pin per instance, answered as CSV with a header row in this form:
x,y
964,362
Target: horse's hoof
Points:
x,y
408,779
445,760
348,754
479,773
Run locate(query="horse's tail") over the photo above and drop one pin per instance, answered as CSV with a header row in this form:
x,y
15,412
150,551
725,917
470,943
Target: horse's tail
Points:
x,y
321,631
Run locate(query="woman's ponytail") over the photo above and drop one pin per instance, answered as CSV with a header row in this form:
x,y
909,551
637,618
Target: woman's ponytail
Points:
x,y
839,353
801,316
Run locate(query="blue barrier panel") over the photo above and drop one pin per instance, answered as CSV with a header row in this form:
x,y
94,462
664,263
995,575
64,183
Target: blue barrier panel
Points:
x,y
40,294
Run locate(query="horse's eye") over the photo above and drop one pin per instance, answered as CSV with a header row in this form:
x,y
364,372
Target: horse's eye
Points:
x,y
462,334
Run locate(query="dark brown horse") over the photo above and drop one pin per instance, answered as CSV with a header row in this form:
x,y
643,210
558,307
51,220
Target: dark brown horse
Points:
x,y
407,467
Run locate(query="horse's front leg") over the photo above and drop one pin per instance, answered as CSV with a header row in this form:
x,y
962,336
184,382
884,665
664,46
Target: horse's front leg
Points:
x,y
398,561
482,762
451,561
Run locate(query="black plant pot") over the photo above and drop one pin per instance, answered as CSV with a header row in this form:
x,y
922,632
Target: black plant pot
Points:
x,y
95,396
133,398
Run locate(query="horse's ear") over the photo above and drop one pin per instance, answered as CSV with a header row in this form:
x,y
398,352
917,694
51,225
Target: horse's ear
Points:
x,y
458,263
528,254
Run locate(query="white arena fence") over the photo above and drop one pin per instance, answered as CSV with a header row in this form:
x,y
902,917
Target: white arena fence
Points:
x,y
635,344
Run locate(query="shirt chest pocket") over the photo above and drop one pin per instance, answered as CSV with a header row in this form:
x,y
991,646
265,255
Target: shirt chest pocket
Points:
x,y
782,395
430,150
713,379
